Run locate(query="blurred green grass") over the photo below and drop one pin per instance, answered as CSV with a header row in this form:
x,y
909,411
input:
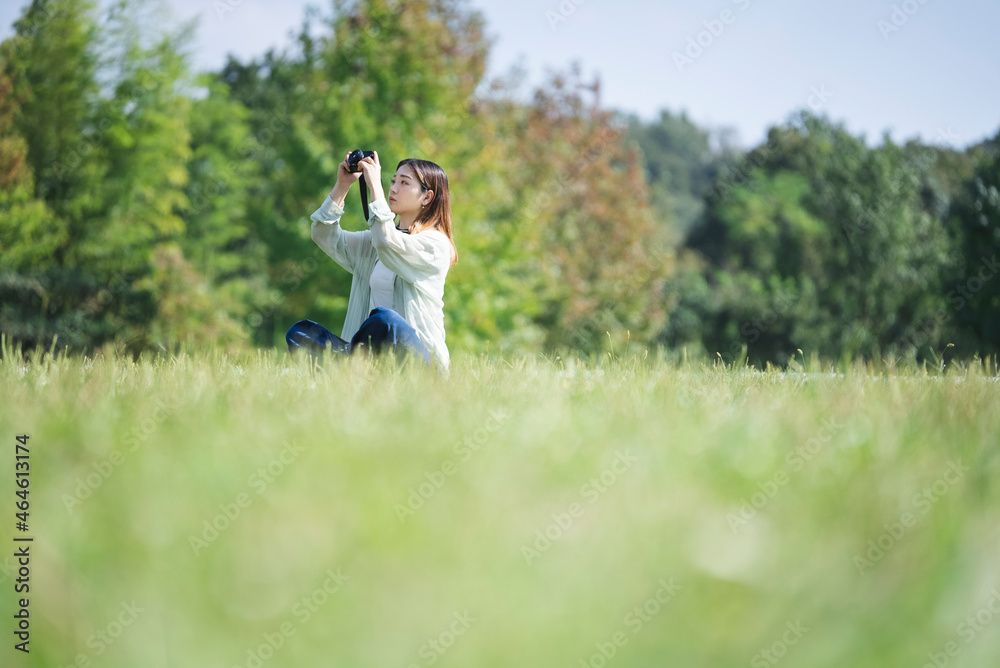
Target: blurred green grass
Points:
x,y
164,446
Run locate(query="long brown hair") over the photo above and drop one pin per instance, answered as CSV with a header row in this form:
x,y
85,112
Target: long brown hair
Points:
x,y
437,215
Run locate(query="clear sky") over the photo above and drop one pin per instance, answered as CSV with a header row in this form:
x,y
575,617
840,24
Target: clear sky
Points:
x,y
931,69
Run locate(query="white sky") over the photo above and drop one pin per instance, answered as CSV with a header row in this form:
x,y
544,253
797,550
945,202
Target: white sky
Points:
x,y
935,77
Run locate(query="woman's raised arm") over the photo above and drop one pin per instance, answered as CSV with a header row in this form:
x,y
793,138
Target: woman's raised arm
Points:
x,y
339,244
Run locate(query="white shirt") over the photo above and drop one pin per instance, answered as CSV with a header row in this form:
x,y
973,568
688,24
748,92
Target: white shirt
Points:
x,y
381,284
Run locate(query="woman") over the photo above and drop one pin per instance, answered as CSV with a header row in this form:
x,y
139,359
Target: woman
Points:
x,y
399,272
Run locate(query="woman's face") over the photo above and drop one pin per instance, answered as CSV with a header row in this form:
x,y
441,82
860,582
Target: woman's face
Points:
x,y
406,195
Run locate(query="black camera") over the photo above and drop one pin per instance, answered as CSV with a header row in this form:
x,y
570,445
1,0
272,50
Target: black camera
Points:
x,y
353,159
357,156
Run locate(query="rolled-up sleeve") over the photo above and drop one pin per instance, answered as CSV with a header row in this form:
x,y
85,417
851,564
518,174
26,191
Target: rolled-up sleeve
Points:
x,y
411,257
344,247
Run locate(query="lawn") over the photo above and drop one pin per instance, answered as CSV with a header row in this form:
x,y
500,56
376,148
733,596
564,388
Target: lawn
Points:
x,y
223,511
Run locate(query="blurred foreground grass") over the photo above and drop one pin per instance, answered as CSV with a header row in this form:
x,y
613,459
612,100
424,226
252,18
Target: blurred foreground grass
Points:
x,y
253,511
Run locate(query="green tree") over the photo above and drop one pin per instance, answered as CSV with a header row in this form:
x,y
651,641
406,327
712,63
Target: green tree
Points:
x,y
48,291
226,259
29,233
28,236
681,168
973,288
107,246
582,210
820,243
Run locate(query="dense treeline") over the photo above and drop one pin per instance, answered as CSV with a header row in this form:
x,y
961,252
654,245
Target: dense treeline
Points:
x,y
815,241
143,205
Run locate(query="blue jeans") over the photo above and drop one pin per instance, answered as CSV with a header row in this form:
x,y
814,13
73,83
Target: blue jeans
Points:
x,y
384,330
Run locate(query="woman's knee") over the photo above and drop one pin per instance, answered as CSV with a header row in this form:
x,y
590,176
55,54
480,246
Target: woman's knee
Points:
x,y
382,312
298,328
292,330
387,316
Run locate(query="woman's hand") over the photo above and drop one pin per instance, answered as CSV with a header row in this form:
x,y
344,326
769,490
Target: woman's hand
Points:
x,y
372,169
345,179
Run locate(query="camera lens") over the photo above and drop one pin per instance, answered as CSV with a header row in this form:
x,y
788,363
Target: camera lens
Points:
x,y
357,156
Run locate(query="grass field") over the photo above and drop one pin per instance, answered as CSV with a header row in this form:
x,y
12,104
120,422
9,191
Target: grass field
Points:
x,y
253,511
